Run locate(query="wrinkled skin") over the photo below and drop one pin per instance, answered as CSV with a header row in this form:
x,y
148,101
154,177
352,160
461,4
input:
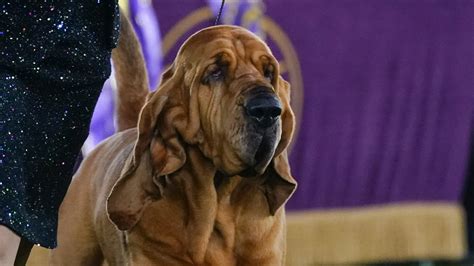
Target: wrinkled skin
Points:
x,y
241,63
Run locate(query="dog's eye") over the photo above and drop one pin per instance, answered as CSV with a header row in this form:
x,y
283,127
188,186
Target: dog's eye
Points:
x,y
215,74
269,73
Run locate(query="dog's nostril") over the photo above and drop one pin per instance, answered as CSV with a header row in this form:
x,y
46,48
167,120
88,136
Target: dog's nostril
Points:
x,y
264,109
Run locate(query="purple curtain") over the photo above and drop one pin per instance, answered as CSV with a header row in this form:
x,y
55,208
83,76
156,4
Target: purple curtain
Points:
x,y
389,100
147,28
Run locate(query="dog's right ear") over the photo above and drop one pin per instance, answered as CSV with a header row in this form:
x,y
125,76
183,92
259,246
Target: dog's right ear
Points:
x,y
158,152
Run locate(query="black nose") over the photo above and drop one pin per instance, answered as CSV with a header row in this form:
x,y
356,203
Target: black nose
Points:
x,y
264,109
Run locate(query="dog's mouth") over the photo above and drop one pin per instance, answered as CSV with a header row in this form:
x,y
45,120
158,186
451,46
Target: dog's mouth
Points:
x,y
263,153
265,150
256,139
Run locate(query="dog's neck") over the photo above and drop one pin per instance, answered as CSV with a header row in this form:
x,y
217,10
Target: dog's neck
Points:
x,y
215,206
192,188
203,180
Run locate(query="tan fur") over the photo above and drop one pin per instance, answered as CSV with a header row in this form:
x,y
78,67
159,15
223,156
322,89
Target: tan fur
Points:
x,y
131,77
166,192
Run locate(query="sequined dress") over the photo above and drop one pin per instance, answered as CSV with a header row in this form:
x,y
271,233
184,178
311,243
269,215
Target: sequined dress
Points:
x,y
54,59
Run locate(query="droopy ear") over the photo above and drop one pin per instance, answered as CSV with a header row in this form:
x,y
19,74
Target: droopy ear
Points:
x,y
287,116
158,151
279,183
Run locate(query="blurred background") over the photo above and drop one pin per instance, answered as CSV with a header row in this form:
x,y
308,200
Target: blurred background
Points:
x,y
383,93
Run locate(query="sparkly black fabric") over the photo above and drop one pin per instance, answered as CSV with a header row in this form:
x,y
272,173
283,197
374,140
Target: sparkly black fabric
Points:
x,y
54,59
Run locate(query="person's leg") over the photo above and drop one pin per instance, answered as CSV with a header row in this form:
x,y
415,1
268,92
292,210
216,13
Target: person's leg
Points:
x,y
9,243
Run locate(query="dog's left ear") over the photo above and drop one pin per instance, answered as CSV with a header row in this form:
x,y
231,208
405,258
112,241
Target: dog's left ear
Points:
x,y
279,183
158,152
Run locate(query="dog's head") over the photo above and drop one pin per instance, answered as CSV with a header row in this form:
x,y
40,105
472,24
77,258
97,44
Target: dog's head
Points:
x,y
223,94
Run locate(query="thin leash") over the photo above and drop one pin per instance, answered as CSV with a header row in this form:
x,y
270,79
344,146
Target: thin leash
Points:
x,y
220,13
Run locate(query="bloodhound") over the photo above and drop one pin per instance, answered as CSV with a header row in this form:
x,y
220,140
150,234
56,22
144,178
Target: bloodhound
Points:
x,y
200,174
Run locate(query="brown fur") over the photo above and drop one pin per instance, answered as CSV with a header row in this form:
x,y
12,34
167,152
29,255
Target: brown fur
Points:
x,y
131,77
168,191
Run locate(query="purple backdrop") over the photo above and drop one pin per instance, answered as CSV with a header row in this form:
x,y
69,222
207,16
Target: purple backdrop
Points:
x,y
389,95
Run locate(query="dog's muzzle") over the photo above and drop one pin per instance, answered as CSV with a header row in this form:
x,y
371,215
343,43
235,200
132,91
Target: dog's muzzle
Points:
x,y
263,107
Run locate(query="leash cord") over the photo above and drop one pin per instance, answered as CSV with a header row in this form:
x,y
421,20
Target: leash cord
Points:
x,y
220,13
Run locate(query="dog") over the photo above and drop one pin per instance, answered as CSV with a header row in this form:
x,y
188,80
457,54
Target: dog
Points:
x,y
197,173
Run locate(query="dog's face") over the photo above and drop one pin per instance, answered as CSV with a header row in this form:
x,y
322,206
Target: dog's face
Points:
x,y
223,94
237,83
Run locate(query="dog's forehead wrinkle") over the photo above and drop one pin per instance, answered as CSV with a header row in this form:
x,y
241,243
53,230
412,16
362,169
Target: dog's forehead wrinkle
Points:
x,y
223,36
200,47
239,48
